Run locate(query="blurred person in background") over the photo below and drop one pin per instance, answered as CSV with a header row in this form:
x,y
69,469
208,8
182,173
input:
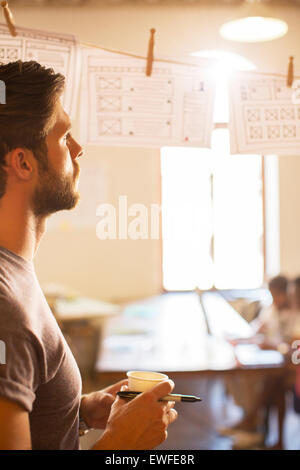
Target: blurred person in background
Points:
x,y
274,321
274,329
293,331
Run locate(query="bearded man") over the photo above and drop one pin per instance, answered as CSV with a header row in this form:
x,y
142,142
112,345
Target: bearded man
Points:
x,y
41,406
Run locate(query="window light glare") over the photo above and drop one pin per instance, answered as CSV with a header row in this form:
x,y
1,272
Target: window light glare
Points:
x,y
254,29
226,59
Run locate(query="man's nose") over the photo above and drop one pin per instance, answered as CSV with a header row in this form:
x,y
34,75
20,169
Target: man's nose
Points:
x,y
76,150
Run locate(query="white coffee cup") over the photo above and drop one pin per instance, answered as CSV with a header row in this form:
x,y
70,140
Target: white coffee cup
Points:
x,y
141,381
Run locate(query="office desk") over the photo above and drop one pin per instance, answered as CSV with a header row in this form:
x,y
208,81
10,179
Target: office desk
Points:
x,y
175,333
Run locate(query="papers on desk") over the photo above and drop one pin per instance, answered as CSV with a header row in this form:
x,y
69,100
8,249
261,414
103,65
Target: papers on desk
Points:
x,y
173,338
252,355
223,321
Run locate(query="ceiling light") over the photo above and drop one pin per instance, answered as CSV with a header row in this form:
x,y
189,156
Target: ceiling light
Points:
x,y
255,24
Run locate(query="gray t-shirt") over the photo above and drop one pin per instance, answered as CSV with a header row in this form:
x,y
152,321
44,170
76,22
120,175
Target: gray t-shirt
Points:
x,y
40,372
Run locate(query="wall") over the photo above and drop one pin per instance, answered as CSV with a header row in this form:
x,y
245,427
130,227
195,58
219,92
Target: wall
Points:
x,y
116,270
109,269
289,187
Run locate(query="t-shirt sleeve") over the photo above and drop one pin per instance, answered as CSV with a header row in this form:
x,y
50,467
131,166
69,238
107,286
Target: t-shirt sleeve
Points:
x,y
19,369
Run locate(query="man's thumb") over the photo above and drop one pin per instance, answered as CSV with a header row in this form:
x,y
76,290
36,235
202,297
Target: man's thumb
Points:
x,y
120,400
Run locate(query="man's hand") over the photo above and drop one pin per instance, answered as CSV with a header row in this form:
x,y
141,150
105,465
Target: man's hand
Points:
x,y
140,423
95,407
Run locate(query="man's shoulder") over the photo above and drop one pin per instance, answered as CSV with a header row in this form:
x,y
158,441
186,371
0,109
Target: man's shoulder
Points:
x,y
21,303
14,316
30,323
9,304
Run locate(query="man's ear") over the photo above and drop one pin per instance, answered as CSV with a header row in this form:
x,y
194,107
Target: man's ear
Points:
x,y
22,163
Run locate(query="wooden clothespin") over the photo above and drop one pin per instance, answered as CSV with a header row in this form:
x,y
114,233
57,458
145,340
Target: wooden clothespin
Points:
x,y
9,18
150,53
290,75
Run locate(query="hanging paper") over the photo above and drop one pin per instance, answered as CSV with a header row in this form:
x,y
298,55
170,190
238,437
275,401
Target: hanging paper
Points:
x,y
121,106
264,116
59,51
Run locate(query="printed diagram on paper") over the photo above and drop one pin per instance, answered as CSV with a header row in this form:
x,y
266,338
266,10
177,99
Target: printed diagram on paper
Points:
x,y
58,51
121,106
263,118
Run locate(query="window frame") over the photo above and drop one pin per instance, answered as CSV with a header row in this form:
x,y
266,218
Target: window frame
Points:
x,y
217,125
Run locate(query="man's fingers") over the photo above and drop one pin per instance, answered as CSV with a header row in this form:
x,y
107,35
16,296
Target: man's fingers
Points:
x,y
172,415
119,400
122,382
117,386
170,404
123,389
162,389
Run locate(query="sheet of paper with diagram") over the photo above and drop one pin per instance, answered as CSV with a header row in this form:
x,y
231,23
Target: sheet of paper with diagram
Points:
x,y
263,116
59,51
121,106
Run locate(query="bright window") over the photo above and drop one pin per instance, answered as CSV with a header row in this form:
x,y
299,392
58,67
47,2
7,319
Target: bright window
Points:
x,y
212,214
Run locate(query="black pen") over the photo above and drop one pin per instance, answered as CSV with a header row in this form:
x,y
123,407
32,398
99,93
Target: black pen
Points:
x,y
171,397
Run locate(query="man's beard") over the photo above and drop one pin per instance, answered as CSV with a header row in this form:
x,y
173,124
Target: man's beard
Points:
x,y
54,192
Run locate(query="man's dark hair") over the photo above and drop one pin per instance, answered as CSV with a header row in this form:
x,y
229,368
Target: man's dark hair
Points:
x,y
279,283
31,93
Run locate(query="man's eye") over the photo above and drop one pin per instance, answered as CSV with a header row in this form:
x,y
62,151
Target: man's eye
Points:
x,y
67,136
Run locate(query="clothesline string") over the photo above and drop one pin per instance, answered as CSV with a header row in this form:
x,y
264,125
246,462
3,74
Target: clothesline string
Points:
x,y
11,26
169,61
135,56
175,62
